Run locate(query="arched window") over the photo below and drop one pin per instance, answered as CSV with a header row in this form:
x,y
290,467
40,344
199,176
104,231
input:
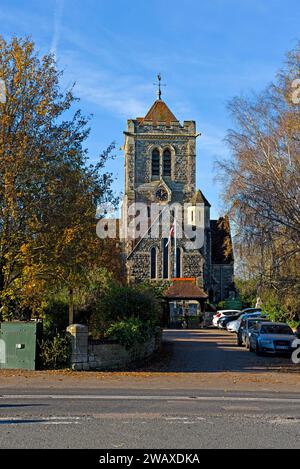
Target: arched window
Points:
x,y
165,257
153,262
178,263
167,162
155,162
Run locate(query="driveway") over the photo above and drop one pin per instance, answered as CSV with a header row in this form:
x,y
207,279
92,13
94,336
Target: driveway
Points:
x,y
213,350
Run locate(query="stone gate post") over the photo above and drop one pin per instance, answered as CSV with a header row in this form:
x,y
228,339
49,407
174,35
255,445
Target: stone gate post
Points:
x,y
79,341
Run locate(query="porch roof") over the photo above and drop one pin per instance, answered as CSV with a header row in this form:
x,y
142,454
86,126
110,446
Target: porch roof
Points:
x,y
185,289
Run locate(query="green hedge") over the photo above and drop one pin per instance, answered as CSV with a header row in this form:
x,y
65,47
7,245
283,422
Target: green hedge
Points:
x,y
121,304
130,332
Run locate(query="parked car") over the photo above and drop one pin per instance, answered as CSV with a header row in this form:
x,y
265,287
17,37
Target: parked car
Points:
x,y
247,323
221,313
235,325
251,310
271,337
222,323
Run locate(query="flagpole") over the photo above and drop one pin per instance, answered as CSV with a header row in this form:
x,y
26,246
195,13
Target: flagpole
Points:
x,y
175,246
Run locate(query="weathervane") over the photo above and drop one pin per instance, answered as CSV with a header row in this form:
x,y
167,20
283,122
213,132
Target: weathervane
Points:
x,y
159,85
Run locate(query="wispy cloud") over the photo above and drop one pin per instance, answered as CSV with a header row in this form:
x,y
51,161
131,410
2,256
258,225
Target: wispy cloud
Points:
x,y
122,95
212,140
57,23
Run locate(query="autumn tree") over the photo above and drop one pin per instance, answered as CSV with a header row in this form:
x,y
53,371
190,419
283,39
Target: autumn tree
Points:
x,y
262,180
48,191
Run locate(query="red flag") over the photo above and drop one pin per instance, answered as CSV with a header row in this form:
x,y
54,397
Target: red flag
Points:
x,y
171,235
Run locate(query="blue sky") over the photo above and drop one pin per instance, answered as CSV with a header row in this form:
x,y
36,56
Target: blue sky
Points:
x,y
206,50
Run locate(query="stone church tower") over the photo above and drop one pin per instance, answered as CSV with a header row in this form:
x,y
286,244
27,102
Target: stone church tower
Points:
x,y
160,169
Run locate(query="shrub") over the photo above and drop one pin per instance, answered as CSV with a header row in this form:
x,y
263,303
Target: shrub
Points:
x,y
86,298
130,332
279,313
55,352
274,311
126,302
248,291
56,316
221,305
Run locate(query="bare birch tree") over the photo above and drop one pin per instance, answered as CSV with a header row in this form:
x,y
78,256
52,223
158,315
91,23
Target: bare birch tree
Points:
x,y
262,179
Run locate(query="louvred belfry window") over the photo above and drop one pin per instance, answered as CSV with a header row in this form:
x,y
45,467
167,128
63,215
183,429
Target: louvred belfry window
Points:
x,y
167,163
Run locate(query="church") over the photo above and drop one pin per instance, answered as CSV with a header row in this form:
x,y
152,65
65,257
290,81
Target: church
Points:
x,y
160,168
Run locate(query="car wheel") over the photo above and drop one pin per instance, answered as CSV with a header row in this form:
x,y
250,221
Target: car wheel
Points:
x,y
257,349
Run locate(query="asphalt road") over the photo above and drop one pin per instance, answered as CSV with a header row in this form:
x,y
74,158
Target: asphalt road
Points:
x,y
146,418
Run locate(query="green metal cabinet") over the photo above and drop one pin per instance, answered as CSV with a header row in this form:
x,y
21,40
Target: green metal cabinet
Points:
x,y
19,344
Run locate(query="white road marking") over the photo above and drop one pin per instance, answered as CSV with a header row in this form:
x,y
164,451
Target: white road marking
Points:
x,y
38,417
183,418
150,398
187,420
58,423
176,418
38,420
285,420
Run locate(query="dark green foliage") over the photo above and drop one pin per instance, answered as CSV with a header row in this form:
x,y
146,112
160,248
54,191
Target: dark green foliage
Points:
x,y
247,291
56,317
55,352
87,297
125,302
130,332
277,312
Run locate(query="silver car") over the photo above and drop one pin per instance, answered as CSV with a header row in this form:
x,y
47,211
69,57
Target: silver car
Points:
x,y
271,337
245,329
235,325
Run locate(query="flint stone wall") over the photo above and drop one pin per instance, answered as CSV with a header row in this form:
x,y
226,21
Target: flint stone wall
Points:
x,y
95,355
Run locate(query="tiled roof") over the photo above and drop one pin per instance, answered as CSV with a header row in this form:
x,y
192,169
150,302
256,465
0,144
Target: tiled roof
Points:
x,y
159,112
199,198
185,289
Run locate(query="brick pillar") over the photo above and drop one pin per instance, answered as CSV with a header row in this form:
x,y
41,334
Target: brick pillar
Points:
x,y
79,341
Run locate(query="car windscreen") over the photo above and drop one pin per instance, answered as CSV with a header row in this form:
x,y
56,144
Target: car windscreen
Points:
x,y
276,329
252,316
252,322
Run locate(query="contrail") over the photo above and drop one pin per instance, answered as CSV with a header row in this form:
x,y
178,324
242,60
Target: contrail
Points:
x,y
58,13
